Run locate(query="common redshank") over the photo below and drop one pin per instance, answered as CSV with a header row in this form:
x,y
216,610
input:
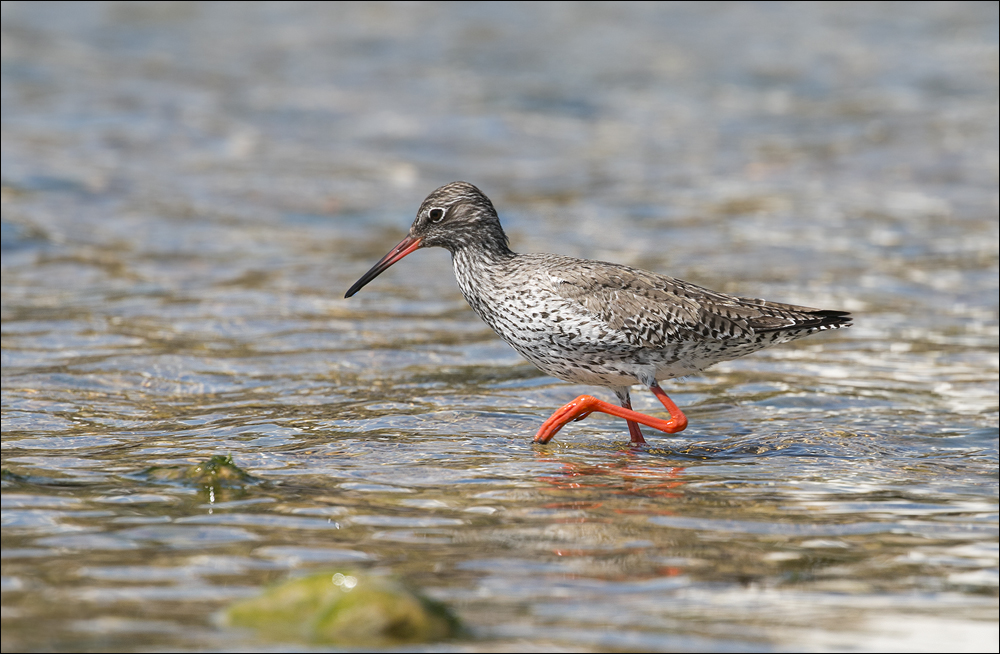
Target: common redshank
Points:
x,y
593,322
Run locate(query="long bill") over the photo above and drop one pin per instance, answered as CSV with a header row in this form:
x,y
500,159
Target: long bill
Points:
x,y
407,245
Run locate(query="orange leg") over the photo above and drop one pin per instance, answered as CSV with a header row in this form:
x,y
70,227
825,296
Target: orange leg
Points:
x,y
635,434
677,417
584,405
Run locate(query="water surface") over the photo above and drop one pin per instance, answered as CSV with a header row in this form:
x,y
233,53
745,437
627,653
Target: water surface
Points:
x,y
189,189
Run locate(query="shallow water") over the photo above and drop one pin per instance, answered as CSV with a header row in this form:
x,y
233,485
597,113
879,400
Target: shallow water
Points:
x,y
189,189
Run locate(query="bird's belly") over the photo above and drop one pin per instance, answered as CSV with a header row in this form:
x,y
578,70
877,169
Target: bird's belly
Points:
x,y
614,366
590,369
599,357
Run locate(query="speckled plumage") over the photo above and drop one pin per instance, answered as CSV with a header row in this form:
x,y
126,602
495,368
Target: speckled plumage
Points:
x,y
593,322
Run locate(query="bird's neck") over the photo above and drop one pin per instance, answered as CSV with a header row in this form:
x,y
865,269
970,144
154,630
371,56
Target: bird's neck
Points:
x,y
475,267
482,252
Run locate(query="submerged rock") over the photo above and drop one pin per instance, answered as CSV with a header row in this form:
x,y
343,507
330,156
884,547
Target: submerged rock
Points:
x,y
218,479
218,472
345,608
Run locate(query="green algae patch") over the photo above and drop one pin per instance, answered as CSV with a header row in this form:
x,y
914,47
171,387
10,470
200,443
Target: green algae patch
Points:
x,y
345,608
218,472
7,475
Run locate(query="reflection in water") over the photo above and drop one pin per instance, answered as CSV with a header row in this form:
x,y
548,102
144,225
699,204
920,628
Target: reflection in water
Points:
x,y
624,473
185,188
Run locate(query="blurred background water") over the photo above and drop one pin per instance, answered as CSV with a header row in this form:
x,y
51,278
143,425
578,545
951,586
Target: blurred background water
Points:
x,y
189,189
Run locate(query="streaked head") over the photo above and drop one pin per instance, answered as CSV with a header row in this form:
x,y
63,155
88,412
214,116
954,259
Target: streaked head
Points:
x,y
456,216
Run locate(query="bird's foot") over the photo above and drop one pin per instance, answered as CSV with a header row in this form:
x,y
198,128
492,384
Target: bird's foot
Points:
x,y
635,434
578,409
584,405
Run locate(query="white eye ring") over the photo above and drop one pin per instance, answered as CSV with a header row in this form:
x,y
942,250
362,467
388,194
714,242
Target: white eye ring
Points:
x,y
435,215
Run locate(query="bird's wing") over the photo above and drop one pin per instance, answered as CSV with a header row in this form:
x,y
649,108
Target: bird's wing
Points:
x,y
653,310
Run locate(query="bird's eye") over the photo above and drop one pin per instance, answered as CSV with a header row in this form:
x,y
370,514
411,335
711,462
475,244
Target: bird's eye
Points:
x,y
436,215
